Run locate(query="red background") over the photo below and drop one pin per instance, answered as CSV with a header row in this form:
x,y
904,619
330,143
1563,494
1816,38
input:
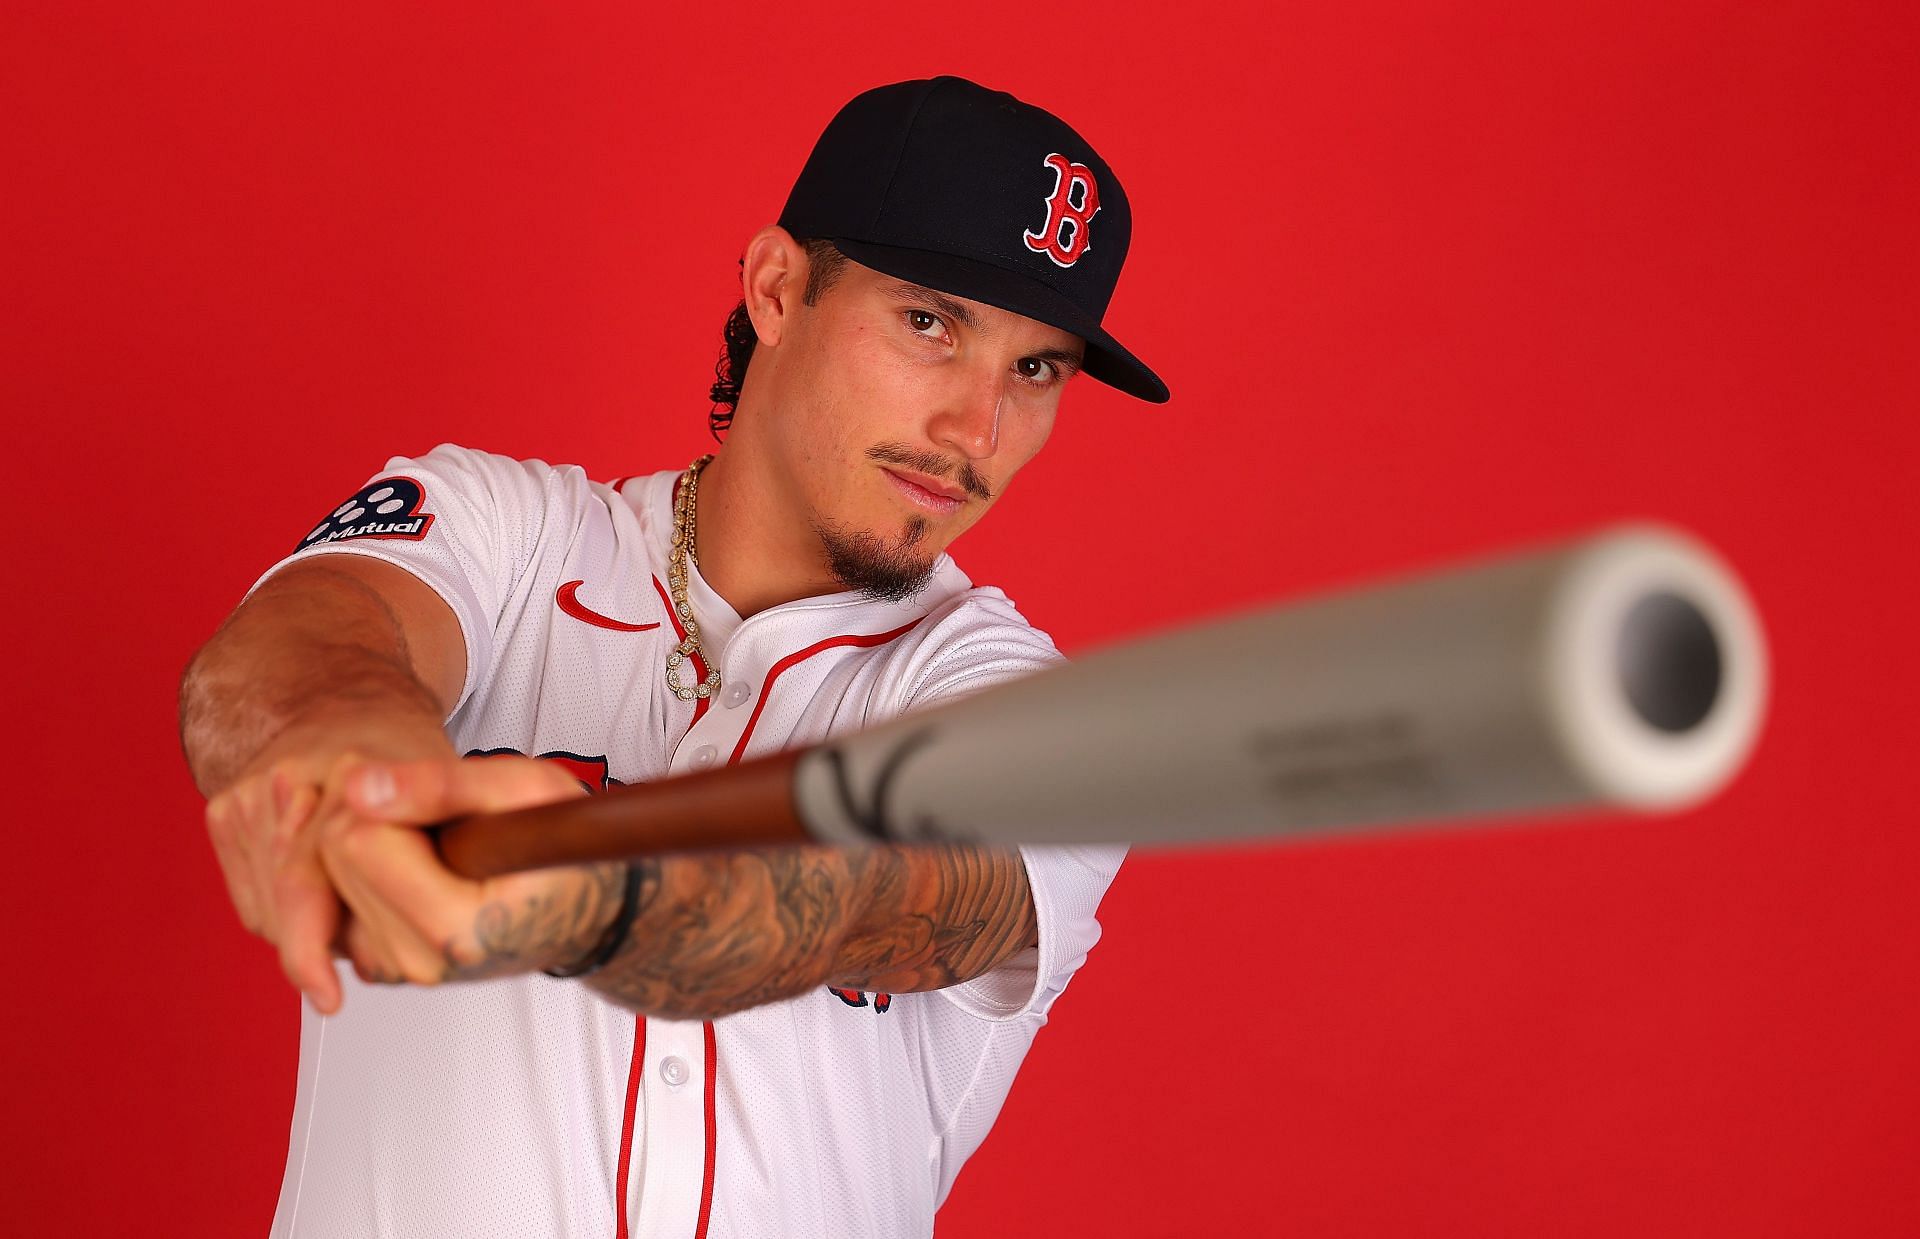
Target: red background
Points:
x,y
1425,279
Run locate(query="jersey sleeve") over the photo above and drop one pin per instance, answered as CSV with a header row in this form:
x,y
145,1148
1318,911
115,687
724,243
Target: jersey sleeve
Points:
x,y
464,522
983,643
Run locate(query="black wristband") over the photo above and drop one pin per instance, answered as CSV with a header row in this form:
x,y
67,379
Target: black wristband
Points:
x,y
615,935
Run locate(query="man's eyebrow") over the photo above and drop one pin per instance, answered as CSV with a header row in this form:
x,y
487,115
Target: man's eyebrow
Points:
x,y
1068,359
1065,358
936,301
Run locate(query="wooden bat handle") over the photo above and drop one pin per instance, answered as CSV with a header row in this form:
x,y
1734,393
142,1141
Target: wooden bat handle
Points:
x,y
744,806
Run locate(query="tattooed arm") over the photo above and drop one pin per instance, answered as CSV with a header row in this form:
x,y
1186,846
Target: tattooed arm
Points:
x,y
719,933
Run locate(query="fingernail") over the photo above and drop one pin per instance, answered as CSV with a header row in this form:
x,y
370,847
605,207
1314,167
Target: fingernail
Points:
x,y
373,786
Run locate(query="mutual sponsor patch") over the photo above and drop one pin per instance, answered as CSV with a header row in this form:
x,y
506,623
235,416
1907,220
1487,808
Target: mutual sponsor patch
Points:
x,y
385,508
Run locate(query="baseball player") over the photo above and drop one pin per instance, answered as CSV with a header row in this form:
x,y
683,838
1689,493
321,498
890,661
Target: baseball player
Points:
x,y
791,1042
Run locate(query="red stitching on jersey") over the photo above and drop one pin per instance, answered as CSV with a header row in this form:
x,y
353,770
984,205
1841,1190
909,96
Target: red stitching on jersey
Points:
x,y
634,1071
706,1178
800,656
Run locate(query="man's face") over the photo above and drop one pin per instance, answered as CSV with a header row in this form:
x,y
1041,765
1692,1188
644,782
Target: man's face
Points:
x,y
903,413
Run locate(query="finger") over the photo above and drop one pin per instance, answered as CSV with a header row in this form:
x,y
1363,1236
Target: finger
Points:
x,y
234,869
411,907
306,907
272,809
250,816
351,945
385,873
425,792
309,915
420,915
294,806
357,946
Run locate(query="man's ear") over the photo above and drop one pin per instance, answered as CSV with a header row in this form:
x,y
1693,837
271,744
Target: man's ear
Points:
x,y
772,273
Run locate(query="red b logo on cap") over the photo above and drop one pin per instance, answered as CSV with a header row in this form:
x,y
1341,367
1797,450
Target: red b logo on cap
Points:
x,y
1063,216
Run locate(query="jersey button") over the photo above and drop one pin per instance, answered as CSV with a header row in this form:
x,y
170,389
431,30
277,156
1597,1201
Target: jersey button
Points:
x,y
736,695
705,755
674,1071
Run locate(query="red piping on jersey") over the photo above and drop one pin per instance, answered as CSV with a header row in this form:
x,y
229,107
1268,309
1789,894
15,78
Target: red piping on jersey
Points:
x,y
800,656
713,1053
706,1178
699,709
634,1071
638,1065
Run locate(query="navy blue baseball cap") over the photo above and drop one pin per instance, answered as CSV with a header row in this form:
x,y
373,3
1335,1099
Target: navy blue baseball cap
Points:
x,y
973,193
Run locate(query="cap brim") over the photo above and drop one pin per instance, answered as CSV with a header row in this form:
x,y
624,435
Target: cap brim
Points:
x,y
1106,360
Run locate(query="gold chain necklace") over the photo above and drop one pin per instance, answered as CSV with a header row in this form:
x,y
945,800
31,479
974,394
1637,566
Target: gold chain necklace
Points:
x,y
683,508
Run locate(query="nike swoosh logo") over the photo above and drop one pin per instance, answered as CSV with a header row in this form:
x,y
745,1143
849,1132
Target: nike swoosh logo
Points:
x,y
567,598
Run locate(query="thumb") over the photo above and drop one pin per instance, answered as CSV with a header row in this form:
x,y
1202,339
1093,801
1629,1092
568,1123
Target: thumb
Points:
x,y
421,793
373,790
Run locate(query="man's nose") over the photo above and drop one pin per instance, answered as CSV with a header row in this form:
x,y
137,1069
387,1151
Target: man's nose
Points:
x,y
969,420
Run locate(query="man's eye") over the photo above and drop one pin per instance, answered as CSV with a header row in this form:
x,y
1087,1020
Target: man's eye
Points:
x,y
1034,370
922,322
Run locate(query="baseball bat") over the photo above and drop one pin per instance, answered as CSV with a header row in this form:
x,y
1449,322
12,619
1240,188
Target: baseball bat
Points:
x,y
1627,669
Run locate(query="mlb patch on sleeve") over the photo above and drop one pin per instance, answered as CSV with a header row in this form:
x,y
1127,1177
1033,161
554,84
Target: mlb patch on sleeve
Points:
x,y
385,508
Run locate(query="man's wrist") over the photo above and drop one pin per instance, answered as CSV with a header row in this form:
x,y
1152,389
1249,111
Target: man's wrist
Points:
x,y
614,932
363,703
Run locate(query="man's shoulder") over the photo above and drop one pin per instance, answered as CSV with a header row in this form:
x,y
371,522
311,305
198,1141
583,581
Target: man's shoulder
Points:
x,y
493,485
969,608
972,637
953,608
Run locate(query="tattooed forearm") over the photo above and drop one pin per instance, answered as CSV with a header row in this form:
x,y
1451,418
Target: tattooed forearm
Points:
x,y
729,931
937,916
550,930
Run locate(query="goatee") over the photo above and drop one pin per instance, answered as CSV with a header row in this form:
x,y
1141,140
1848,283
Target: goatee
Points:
x,y
889,571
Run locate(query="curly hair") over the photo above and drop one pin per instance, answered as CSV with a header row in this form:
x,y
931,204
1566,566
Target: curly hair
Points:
x,y
824,264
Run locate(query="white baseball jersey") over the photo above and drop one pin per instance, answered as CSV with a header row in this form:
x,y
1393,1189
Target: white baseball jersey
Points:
x,y
532,1107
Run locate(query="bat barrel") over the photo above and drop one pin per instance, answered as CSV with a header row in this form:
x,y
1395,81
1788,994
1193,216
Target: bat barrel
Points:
x,y
1669,662
1626,669
1656,672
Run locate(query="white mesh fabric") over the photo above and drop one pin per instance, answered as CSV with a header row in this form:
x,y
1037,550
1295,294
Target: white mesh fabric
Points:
x,y
495,1108
489,515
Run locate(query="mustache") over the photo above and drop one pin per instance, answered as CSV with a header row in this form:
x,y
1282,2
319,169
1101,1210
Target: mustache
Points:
x,y
934,465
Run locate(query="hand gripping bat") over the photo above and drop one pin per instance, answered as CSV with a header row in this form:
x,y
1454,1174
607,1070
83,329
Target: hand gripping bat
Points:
x,y
1626,669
